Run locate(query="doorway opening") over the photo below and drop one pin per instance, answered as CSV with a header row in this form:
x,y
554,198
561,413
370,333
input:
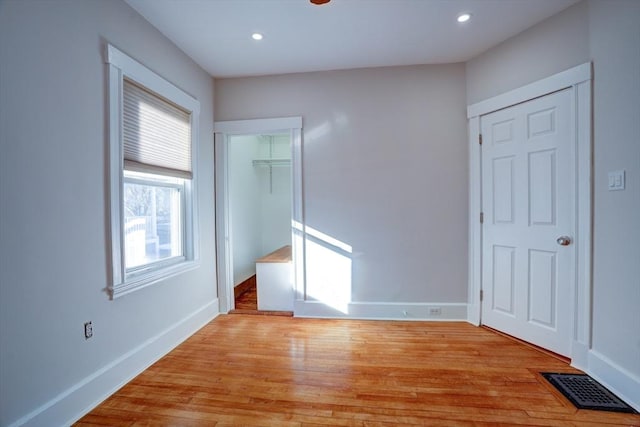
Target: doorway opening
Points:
x,y
258,198
259,194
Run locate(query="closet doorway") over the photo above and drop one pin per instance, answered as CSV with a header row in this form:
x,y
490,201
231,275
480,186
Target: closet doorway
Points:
x,y
258,199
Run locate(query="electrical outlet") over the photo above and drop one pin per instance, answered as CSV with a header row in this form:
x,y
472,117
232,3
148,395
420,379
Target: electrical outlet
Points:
x,y
88,330
435,311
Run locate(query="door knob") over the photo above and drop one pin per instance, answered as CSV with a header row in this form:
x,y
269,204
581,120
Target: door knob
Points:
x,y
564,240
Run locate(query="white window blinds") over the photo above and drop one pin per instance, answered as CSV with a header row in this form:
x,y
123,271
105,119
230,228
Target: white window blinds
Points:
x,y
156,134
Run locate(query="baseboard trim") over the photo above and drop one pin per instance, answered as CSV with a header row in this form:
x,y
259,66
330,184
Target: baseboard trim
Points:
x,y
383,311
580,356
617,379
72,404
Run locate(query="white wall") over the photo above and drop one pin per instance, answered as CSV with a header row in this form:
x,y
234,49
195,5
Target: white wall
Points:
x,y
53,217
275,196
244,206
260,200
556,44
606,32
614,31
384,171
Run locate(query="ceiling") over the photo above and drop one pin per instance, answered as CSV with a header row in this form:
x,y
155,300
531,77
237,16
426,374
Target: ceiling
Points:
x,y
343,34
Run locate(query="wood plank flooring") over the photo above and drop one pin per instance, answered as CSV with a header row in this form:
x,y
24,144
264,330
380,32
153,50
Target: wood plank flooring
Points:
x,y
244,286
247,303
278,371
248,300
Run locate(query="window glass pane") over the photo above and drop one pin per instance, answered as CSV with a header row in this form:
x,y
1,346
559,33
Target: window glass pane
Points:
x,y
152,223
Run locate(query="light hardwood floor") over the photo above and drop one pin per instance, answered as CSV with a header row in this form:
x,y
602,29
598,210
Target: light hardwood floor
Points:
x,y
247,303
277,371
248,300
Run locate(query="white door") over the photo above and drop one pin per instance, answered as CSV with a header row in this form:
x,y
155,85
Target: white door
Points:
x,y
528,202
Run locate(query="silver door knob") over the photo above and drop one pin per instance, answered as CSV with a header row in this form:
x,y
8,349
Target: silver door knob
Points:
x,y
564,240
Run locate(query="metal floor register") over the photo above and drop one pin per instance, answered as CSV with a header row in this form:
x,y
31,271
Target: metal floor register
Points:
x,y
586,393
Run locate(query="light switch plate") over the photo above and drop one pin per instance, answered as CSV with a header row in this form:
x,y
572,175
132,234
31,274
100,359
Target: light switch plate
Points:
x,y
616,180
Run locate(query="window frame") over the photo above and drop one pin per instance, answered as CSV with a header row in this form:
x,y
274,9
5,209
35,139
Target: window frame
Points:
x,y
122,282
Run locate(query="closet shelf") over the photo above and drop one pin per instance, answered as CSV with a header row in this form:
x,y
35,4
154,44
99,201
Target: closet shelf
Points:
x,y
272,162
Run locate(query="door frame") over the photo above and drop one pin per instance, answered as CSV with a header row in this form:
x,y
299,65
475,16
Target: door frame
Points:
x,y
578,80
224,257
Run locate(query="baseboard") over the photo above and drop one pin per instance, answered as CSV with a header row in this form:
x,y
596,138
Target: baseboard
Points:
x,y
617,379
473,314
580,356
383,311
75,402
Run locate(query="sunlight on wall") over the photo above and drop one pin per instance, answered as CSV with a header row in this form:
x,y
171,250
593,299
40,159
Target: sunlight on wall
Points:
x,y
317,132
340,121
328,268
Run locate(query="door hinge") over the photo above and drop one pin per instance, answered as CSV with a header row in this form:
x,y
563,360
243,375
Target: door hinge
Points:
x,y
481,295
480,139
481,217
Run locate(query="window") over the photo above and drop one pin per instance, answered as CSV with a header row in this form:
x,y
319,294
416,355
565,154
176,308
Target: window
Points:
x,y
153,220
152,179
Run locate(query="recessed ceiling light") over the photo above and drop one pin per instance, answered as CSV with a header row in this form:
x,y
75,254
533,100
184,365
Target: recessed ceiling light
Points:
x,y
257,36
464,17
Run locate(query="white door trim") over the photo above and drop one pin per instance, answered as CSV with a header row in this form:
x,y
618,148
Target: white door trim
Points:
x,y
578,79
224,258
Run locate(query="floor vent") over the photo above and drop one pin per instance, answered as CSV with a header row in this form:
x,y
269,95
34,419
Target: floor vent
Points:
x,y
586,393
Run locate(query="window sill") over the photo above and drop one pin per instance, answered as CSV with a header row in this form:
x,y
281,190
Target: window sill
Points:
x,y
143,280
